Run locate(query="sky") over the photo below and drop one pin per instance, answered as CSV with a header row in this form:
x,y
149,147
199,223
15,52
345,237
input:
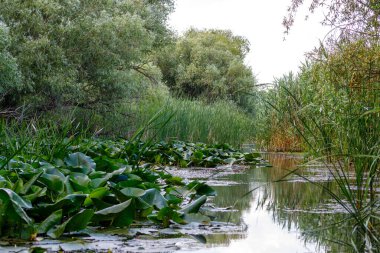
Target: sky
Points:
x,y
261,23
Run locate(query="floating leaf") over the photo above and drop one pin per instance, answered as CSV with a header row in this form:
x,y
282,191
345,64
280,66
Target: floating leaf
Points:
x,y
114,209
154,198
132,192
194,206
196,218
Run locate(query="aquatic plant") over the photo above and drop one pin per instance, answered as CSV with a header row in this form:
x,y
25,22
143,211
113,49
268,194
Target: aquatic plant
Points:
x,y
53,185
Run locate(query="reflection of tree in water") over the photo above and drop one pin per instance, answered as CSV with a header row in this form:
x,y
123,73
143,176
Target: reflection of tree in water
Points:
x,y
309,208
230,197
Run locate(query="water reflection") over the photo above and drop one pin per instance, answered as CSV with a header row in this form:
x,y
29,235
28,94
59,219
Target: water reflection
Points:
x,y
288,216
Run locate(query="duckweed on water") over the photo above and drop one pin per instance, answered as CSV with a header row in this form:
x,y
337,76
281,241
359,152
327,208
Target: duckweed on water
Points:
x,y
105,184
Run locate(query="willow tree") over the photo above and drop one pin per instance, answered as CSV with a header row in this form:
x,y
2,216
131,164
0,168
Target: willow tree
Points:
x,y
82,51
207,64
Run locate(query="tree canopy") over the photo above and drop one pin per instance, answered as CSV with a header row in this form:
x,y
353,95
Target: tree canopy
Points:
x,y
79,51
207,64
350,18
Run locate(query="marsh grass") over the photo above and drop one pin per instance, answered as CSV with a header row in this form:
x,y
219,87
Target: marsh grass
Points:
x,y
219,122
190,120
342,131
47,138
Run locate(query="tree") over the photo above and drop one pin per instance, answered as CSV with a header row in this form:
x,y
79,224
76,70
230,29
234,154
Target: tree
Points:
x,y
9,72
82,51
207,64
351,18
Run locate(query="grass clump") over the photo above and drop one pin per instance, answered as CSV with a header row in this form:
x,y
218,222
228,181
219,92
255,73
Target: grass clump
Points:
x,y
194,120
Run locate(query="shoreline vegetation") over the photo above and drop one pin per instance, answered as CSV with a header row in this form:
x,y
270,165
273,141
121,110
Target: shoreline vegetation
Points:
x,y
94,95
52,183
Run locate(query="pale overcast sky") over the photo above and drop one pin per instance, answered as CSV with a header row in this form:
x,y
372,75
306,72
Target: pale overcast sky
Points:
x,y
261,23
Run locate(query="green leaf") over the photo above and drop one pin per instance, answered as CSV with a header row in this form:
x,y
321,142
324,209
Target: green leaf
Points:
x,y
79,221
154,198
52,182
38,193
194,206
201,188
80,182
68,203
18,186
132,192
115,209
76,223
30,183
97,193
99,204
18,203
196,218
251,157
98,182
53,219
126,217
80,163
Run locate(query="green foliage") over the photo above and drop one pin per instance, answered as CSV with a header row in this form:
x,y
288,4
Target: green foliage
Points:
x,y
207,64
80,52
191,120
197,120
10,77
331,105
99,182
350,19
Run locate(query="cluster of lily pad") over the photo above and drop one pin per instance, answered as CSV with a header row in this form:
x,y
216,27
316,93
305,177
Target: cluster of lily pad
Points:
x,y
104,183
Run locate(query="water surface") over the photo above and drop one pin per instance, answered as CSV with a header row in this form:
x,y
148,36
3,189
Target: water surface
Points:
x,y
252,213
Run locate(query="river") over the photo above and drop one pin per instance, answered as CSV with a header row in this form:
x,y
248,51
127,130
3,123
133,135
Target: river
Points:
x,y
252,212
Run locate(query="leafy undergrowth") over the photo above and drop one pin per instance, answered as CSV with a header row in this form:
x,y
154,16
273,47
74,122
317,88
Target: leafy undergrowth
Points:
x,y
105,184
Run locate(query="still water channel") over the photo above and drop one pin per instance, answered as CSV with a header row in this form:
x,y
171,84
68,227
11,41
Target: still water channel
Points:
x,y
254,214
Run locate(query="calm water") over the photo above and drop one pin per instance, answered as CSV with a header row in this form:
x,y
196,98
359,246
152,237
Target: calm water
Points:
x,y
280,217
254,214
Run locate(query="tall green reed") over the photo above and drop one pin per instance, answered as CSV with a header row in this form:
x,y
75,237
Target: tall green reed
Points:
x,y
340,132
220,121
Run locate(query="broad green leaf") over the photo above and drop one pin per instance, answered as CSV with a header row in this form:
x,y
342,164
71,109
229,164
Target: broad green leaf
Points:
x,y
5,183
18,203
126,217
18,186
79,221
99,204
132,192
30,183
154,198
99,182
76,223
251,157
80,163
52,182
52,220
68,203
194,206
196,218
201,188
97,193
115,209
80,182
